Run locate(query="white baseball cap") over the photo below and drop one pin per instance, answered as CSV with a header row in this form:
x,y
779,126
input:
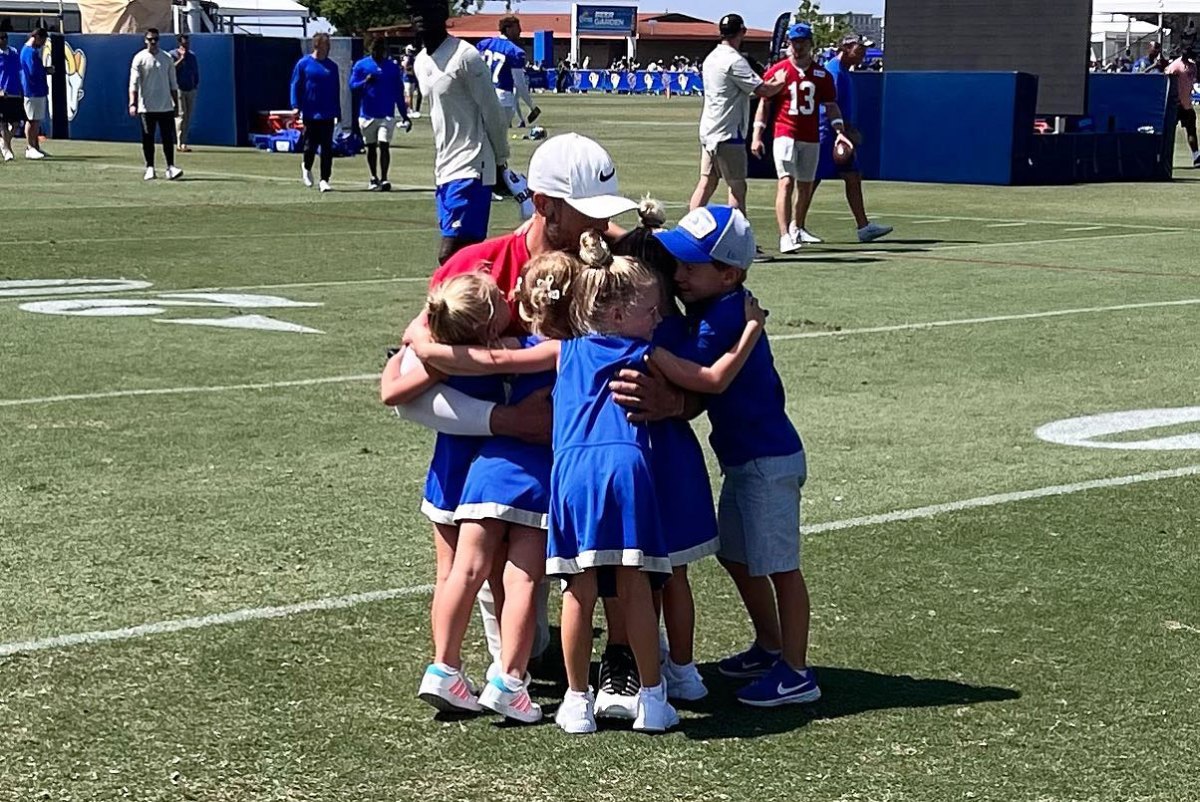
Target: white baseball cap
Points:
x,y
579,171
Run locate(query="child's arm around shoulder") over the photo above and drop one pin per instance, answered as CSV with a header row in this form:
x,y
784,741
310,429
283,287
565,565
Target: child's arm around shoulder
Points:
x,y
473,360
716,379
405,377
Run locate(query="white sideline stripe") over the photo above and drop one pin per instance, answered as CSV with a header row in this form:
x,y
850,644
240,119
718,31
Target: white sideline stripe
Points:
x,y
343,602
1084,228
258,177
928,222
1001,498
1024,243
218,388
1005,225
382,231
205,621
17,402
291,286
961,218
973,320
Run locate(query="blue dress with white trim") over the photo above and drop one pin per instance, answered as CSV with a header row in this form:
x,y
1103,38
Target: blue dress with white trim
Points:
x,y
680,473
603,507
510,479
452,453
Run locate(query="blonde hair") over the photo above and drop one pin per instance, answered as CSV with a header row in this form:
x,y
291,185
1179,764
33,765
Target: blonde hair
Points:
x,y
607,284
652,213
544,294
460,310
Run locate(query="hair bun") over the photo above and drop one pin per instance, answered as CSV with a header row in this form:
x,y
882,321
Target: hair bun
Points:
x,y
594,251
652,213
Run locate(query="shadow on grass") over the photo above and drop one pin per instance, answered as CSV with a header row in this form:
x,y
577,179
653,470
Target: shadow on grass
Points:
x,y
845,692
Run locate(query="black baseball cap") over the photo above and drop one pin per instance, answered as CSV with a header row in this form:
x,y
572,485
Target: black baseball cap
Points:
x,y
731,25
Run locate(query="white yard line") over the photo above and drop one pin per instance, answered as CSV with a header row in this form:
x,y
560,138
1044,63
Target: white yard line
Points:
x,y
1025,243
1001,498
930,222
1084,228
966,219
344,602
1005,225
382,230
973,320
224,288
256,177
218,388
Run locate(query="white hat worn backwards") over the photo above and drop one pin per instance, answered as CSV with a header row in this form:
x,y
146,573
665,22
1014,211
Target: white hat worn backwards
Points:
x,y
579,171
712,233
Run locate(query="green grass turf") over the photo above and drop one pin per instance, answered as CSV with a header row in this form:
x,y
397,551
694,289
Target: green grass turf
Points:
x,y
1041,649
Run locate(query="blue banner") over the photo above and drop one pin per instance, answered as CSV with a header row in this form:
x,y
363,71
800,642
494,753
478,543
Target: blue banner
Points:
x,y
610,20
637,83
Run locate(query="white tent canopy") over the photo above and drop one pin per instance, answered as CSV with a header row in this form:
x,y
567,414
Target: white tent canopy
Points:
x,y
260,8
1146,8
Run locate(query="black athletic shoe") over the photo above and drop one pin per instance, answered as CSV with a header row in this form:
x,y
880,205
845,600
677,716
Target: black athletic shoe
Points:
x,y
373,185
619,684
385,186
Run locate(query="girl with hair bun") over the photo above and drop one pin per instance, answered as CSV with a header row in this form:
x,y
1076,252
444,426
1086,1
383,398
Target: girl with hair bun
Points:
x,y
606,527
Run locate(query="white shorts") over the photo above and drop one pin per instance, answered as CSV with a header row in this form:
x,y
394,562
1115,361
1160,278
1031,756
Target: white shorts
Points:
x,y
36,108
798,160
378,131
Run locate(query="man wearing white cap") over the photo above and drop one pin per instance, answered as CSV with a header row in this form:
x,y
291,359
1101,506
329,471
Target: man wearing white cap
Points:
x,y
574,185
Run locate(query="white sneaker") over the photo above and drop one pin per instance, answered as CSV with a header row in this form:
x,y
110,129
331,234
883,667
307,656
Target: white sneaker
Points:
x,y
306,177
576,714
149,176
174,172
34,153
448,690
788,245
7,154
325,187
416,115
512,704
683,682
654,712
873,231
494,670
803,236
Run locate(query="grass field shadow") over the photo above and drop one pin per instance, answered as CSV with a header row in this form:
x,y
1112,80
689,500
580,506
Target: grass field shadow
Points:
x,y
845,692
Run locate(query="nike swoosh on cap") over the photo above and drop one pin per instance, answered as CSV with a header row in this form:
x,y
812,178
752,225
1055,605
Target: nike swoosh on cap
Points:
x,y
605,177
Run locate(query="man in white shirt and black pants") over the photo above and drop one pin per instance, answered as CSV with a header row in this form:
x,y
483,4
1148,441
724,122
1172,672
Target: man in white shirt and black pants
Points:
x,y
470,129
729,83
154,96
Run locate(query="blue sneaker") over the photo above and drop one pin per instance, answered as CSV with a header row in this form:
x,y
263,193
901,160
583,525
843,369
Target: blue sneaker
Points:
x,y
782,685
754,662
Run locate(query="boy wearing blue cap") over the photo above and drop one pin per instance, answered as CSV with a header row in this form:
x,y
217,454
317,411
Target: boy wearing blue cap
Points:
x,y
761,456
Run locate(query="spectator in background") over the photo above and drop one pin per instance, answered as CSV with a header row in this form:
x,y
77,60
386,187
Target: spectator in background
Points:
x,y
36,89
12,107
412,93
187,76
377,77
1183,72
316,98
154,98
729,83
1152,62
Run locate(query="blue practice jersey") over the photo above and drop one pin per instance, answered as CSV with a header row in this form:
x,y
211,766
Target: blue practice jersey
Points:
x,y
502,57
845,95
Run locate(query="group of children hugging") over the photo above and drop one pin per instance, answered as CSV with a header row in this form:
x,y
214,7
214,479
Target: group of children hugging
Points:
x,y
613,508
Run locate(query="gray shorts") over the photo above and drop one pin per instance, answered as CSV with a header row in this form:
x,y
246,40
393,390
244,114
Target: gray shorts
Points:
x,y
759,514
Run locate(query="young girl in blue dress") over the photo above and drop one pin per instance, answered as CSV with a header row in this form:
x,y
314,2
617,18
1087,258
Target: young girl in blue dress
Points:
x,y
605,520
464,309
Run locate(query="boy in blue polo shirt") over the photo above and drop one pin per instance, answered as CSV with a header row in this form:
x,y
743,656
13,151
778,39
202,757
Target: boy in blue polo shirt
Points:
x,y
761,456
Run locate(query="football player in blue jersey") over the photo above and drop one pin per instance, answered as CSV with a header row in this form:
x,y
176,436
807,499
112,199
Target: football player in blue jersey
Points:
x,y
505,57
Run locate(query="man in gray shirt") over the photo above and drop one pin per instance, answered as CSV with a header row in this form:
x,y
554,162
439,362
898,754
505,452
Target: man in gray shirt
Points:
x,y
154,97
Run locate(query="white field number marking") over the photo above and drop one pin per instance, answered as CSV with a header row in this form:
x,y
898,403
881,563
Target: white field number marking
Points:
x,y
150,307
17,288
1087,431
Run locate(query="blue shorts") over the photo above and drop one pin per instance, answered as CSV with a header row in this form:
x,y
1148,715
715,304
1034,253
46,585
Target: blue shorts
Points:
x,y
759,514
827,168
464,208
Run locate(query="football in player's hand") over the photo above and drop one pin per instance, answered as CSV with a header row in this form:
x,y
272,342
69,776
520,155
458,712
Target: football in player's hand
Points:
x,y
843,153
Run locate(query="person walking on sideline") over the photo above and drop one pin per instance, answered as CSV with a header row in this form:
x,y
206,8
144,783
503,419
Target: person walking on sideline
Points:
x,y
12,107
316,98
154,97
1183,73
379,79
187,75
36,90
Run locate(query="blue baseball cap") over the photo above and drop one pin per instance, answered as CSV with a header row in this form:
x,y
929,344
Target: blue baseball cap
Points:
x,y
801,30
711,234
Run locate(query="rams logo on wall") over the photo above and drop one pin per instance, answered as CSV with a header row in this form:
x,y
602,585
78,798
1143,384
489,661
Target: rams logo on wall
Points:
x,y
76,69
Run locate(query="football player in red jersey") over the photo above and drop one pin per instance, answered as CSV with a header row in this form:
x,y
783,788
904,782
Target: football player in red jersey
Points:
x,y
797,147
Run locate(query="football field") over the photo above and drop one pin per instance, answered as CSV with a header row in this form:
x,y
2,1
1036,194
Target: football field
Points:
x,y
214,576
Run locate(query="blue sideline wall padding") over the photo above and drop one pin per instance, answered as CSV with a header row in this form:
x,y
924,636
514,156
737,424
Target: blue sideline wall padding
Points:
x,y
867,117
98,87
1123,103
543,48
963,128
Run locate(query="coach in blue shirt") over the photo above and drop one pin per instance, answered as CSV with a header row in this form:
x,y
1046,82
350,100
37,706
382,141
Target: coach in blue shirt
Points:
x,y
12,109
187,76
381,82
316,98
36,89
